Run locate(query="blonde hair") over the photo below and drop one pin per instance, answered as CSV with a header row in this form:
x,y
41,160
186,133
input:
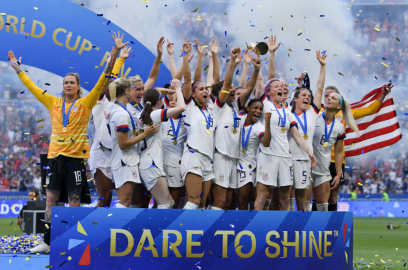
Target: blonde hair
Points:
x,y
348,116
331,87
118,88
135,79
76,75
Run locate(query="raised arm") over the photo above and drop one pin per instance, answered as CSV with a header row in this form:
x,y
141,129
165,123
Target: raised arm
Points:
x,y
362,112
181,106
223,94
200,51
251,83
180,71
46,99
244,73
260,85
187,92
170,51
214,46
154,73
210,74
386,89
317,99
266,139
272,46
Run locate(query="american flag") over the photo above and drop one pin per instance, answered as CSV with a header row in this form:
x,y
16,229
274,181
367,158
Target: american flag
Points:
x,y
378,130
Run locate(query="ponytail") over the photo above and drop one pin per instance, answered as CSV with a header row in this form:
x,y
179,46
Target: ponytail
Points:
x,y
348,117
151,97
112,91
118,88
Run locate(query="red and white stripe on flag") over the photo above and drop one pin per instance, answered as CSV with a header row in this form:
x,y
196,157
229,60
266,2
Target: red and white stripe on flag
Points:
x,y
378,130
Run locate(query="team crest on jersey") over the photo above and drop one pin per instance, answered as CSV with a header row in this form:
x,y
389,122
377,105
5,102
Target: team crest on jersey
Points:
x,y
134,174
108,169
265,176
221,177
75,108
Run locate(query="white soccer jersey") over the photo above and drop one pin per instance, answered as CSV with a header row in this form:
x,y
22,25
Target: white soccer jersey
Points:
x,y
151,150
172,153
247,160
196,121
119,121
323,154
101,135
311,118
166,102
226,141
279,145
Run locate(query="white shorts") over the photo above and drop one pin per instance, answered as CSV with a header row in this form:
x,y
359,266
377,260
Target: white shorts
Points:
x,y
173,176
301,174
225,171
274,171
196,163
319,179
100,159
149,176
246,178
126,174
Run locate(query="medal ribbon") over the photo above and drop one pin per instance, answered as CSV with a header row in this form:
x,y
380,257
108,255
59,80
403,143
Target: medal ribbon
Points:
x,y
283,121
245,141
208,121
304,127
131,118
65,118
327,136
235,118
175,131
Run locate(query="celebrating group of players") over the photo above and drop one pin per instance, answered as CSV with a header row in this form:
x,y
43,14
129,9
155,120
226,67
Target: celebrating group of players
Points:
x,y
217,145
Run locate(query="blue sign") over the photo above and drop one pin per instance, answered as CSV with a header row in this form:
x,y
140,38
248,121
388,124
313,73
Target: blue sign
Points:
x,y
375,208
185,239
62,37
11,208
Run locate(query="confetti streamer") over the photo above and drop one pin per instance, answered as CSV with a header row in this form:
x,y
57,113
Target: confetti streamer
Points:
x,y
397,39
384,64
341,74
377,29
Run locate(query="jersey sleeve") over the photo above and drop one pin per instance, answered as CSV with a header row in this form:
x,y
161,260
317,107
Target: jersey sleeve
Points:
x,y
314,108
218,108
90,100
292,120
159,115
166,101
359,113
46,99
122,123
342,133
260,131
116,68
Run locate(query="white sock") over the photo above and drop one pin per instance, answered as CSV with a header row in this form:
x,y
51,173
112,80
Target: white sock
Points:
x,y
322,207
267,204
215,208
292,204
118,205
200,208
190,206
171,204
163,206
307,206
134,206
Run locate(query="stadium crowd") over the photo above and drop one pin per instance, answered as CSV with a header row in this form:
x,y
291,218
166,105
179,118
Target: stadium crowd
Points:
x,y
23,137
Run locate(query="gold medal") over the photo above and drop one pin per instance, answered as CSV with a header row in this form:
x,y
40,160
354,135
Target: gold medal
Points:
x,y
283,129
325,144
243,150
234,131
305,136
134,132
64,129
208,131
175,142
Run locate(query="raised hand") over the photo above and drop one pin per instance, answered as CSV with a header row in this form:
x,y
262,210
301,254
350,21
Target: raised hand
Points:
x,y
214,46
267,116
386,88
160,46
170,49
247,57
199,47
300,78
234,53
125,53
238,60
13,60
256,62
272,46
176,84
119,41
321,58
209,53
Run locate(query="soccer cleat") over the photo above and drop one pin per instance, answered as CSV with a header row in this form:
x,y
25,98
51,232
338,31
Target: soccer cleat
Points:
x,y
41,248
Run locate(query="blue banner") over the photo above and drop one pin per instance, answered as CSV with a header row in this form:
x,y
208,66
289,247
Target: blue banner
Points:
x,y
62,37
93,238
11,208
375,209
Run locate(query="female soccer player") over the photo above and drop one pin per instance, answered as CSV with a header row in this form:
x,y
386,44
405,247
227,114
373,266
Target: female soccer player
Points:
x,y
329,131
305,108
175,133
151,164
252,134
274,167
124,132
226,113
101,150
69,116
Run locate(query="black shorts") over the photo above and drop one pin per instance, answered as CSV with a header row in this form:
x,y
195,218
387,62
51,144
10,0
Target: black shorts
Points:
x,y
68,174
333,173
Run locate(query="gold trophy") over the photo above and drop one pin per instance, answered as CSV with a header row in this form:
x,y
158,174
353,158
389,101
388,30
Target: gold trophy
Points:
x,y
260,48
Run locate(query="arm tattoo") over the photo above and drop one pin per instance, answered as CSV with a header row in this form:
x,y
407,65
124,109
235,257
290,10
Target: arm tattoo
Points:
x,y
107,68
18,70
